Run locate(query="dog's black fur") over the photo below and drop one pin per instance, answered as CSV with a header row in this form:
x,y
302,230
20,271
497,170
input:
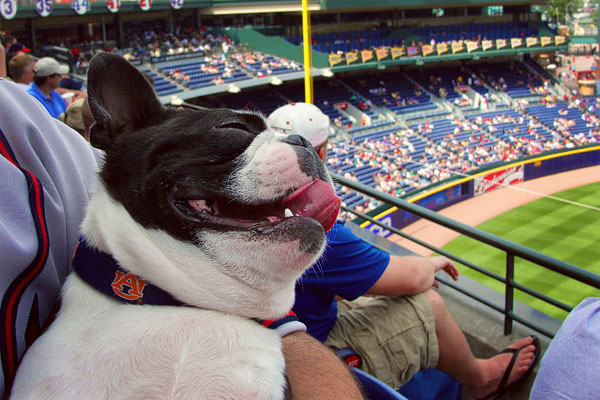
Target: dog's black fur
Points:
x,y
155,153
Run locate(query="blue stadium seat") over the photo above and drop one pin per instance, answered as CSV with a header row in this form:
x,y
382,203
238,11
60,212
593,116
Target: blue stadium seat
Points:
x,y
374,389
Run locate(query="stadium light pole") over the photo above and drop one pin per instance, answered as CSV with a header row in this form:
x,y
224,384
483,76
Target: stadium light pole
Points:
x,y
307,39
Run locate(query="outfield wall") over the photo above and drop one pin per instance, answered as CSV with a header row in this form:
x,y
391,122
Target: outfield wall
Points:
x,y
484,181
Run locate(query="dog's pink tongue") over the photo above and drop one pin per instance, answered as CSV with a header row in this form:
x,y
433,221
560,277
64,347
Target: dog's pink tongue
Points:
x,y
316,200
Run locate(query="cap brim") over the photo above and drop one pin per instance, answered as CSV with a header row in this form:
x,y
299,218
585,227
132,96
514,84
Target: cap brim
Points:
x,y
63,69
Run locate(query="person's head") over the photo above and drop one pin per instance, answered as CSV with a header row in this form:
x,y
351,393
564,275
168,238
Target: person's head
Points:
x,y
49,72
20,68
79,117
17,48
303,119
9,40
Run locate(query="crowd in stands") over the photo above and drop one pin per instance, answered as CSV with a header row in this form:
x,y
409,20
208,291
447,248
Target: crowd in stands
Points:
x,y
394,160
152,43
399,161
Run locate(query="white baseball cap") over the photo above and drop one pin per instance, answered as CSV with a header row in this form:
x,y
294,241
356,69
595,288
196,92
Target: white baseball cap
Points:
x,y
302,119
47,66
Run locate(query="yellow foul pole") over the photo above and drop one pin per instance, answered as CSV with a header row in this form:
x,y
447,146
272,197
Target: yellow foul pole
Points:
x,y
307,41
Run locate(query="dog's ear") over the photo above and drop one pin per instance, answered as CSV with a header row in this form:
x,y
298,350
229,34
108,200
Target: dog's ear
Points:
x,y
120,98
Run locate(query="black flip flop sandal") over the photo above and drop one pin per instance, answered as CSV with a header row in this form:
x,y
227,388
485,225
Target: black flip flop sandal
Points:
x,y
503,387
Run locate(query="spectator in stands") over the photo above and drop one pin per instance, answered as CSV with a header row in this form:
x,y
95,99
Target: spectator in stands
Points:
x,y
406,328
20,68
40,152
569,368
79,117
2,60
48,74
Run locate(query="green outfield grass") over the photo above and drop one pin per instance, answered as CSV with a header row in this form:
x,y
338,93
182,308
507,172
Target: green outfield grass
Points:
x,y
564,231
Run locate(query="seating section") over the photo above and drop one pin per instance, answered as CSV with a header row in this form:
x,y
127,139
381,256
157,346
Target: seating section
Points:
x,y
428,143
561,118
392,91
513,78
326,94
260,64
398,161
162,86
349,40
439,82
374,38
480,31
202,73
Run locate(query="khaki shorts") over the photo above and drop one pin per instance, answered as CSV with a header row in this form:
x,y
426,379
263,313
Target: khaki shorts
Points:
x,y
395,336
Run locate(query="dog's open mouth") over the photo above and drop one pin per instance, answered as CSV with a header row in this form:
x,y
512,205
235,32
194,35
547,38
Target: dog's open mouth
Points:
x,y
316,200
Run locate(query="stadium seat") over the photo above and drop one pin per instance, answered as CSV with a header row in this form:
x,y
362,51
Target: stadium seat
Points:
x,y
374,389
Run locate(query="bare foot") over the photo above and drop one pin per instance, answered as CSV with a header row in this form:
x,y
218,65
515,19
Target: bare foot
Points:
x,y
495,367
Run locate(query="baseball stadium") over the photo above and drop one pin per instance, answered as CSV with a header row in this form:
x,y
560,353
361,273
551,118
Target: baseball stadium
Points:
x,y
468,129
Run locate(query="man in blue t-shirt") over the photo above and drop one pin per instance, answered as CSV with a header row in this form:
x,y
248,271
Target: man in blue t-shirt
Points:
x,y
407,327
48,74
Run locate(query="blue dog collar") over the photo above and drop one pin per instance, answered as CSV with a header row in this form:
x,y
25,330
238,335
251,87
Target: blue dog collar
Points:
x,y
103,273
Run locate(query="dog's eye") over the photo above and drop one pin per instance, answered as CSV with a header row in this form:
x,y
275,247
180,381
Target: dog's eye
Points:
x,y
235,125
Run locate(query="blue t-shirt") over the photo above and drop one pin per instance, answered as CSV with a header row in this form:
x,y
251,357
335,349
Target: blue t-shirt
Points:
x,y
348,268
55,106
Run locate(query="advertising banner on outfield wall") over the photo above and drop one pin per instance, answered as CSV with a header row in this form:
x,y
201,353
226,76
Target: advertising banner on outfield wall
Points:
x,y
495,180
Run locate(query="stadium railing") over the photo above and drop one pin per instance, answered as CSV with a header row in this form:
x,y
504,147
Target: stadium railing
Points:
x,y
511,249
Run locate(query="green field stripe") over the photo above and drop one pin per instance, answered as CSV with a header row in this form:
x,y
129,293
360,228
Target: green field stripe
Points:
x,y
561,230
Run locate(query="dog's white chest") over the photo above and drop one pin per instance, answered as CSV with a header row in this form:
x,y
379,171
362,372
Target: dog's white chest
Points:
x,y
114,351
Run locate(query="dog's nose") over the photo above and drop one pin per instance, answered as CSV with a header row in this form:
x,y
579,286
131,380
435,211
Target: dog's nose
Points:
x,y
297,140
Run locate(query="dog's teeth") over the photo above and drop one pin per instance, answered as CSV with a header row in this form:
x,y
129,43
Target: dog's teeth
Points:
x,y
288,213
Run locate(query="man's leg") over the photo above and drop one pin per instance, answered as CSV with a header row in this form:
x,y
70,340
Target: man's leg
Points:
x,y
479,377
394,335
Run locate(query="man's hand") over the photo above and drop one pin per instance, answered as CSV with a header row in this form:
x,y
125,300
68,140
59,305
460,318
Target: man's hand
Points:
x,y
442,263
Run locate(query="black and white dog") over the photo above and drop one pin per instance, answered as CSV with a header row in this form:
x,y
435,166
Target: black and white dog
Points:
x,y
200,223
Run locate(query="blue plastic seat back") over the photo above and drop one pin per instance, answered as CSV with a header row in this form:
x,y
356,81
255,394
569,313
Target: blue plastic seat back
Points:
x,y
374,389
432,384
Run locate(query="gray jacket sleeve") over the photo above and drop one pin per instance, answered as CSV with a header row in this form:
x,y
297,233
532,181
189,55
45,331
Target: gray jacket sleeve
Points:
x,y
47,171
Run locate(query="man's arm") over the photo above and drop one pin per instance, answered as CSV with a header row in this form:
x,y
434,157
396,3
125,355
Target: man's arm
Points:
x,y
410,275
315,372
2,61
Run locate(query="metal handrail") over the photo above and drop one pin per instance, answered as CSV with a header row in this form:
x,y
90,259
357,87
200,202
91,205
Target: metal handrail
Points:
x,y
511,249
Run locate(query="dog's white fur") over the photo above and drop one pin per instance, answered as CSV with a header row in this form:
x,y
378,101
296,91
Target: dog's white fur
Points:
x,y
99,348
